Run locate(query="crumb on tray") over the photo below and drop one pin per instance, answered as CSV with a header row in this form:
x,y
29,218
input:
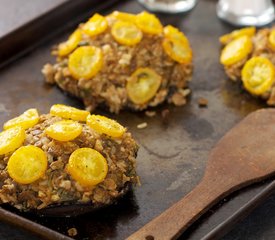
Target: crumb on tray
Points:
x,y
202,102
72,232
142,125
150,113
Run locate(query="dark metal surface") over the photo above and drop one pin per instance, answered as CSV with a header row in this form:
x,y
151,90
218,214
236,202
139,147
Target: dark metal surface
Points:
x,y
173,153
245,210
14,15
258,225
22,28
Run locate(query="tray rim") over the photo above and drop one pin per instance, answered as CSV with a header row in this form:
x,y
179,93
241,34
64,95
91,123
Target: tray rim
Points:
x,y
224,227
12,45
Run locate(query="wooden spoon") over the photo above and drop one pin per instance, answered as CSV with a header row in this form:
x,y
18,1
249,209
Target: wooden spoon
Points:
x,y
246,154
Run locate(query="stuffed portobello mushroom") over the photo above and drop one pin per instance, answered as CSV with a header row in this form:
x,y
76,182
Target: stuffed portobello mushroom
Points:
x,y
123,61
65,157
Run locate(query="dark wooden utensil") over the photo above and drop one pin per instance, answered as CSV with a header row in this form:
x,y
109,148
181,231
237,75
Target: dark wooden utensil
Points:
x,y
246,154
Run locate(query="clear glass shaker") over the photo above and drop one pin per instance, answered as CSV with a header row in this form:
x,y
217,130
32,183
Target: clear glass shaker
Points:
x,y
168,6
246,12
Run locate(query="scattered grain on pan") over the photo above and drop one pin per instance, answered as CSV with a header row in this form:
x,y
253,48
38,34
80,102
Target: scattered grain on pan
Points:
x,y
150,113
142,125
72,232
202,102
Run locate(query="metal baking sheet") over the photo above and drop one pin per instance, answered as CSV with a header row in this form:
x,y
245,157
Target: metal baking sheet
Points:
x,y
173,151
23,27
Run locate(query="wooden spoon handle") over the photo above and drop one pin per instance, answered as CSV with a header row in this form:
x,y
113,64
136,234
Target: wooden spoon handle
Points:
x,y
172,222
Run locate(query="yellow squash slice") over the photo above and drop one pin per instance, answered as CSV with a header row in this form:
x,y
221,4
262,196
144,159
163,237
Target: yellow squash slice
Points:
x,y
27,164
67,47
95,26
65,130
236,50
271,39
105,125
248,31
68,112
149,23
178,50
85,62
26,120
258,75
123,16
176,45
174,33
143,85
87,166
126,33
11,139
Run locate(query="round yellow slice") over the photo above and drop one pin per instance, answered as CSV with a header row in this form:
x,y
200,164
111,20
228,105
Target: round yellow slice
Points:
x,y
65,130
26,120
236,50
67,47
85,62
174,33
126,33
105,125
27,164
149,23
178,50
11,139
68,112
123,16
143,85
87,166
95,26
248,31
258,75
271,39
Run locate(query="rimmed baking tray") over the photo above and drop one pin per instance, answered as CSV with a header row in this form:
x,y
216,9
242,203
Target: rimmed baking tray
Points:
x,y
173,151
